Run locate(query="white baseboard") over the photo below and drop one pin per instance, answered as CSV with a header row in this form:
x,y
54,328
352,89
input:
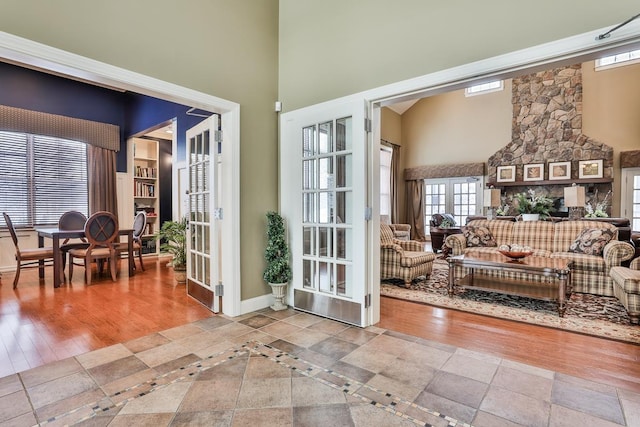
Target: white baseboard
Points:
x,y
254,304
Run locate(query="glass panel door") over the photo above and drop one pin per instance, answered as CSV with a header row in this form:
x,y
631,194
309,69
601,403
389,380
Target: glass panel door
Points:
x,y
323,198
203,267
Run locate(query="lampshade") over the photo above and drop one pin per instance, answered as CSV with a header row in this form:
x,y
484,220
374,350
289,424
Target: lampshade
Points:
x,y
491,198
574,196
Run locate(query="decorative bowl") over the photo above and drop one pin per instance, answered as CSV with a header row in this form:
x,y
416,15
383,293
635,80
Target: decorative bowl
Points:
x,y
515,255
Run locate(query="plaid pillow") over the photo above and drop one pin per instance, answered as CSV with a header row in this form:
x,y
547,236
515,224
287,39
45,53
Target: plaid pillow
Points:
x,y
478,236
591,241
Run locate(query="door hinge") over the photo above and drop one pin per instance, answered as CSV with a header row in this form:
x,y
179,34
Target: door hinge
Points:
x,y
368,213
217,213
218,290
367,125
217,136
367,301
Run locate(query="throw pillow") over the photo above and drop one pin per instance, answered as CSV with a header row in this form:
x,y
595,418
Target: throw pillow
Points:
x,y
478,236
591,241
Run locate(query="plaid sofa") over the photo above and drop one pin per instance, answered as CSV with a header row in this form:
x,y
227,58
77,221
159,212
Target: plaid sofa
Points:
x,y
626,287
403,259
589,273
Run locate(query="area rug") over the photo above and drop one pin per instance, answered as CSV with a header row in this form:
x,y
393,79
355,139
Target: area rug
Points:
x,y
587,314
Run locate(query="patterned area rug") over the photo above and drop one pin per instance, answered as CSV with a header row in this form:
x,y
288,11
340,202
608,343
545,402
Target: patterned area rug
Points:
x,y
588,314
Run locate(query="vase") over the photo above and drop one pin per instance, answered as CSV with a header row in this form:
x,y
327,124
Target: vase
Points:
x,y
278,290
530,217
180,274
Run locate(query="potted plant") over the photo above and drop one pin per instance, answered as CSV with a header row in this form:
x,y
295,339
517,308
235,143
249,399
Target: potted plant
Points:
x,y
277,272
533,207
174,237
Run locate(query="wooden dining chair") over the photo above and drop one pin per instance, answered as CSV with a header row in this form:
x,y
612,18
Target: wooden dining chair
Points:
x,y
139,224
71,220
26,257
101,231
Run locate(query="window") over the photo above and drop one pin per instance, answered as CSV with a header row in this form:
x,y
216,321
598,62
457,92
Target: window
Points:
x,y
42,177
385,181
484,88
630,199
457,196
626,58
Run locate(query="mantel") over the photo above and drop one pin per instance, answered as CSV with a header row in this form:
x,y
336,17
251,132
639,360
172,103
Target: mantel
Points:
x,y
550,182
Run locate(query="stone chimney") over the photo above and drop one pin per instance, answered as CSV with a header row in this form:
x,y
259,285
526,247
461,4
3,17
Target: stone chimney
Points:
x,y
547,127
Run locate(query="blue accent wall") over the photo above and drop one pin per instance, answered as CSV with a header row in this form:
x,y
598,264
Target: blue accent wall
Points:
x,y
134,113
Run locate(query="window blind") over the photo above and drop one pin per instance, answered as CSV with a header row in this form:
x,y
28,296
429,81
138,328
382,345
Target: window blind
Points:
x,y
43,178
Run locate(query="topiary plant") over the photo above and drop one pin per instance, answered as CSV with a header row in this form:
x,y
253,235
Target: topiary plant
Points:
x,y
278,269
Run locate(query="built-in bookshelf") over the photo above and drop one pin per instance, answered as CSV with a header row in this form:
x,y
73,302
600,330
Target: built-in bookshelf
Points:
x,y
143,160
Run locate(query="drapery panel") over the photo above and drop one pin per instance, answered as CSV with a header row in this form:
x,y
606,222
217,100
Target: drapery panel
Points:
x,y
102,180
415,208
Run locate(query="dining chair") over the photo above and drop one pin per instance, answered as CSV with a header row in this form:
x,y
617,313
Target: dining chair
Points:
x,y
71,220
139,225
101,231
26,257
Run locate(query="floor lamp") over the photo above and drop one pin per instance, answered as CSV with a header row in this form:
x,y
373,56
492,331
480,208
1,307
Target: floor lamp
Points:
x,y
574,199
491,201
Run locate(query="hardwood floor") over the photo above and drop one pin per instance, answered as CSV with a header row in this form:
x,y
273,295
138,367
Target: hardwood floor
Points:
x,y
39,324
592,358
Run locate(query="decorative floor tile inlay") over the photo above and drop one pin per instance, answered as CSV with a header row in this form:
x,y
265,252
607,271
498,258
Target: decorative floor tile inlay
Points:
x,y
379,398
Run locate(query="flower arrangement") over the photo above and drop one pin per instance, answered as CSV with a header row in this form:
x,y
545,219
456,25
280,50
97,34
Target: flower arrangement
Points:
x,y
599,208
530,203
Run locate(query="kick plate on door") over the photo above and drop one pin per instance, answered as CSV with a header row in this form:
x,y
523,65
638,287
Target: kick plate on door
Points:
x,y
333,308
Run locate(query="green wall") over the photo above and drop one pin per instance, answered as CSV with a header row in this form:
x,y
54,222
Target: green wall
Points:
x,y
333,48
226,48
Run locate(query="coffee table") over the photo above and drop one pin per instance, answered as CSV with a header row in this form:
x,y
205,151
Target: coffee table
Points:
x,y
556,288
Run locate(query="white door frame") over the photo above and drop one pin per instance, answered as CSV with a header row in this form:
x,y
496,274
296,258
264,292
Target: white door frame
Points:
x,y
566,51
31,54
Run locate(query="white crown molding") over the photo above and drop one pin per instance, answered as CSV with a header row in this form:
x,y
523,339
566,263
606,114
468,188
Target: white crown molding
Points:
x,y
50,59
506,65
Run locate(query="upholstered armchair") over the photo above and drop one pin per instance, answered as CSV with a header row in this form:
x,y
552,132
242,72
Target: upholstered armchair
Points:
x,y
400,231
402,259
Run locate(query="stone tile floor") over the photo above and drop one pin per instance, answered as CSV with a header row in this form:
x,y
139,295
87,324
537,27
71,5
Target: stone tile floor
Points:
x,y
294,369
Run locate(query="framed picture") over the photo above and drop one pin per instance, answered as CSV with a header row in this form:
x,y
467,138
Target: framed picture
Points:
x,y
533,172
590,169
506,174
560,170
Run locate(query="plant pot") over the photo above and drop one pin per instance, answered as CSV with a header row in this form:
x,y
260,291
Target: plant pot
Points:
x,y
278,290
530,217
180,274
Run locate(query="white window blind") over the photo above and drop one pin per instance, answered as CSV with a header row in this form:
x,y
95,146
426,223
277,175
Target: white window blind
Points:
x,y
45,177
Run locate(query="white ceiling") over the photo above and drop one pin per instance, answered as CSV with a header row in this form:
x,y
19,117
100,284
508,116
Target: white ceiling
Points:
x,y
161,133
403,106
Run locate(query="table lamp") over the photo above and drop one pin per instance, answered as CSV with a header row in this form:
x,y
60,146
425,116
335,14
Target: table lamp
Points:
x,y
491,201
574,199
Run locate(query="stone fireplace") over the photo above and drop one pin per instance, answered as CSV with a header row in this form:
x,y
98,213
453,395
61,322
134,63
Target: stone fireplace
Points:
x,y
547,127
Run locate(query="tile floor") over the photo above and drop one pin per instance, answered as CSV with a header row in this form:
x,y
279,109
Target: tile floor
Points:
x,y
293,369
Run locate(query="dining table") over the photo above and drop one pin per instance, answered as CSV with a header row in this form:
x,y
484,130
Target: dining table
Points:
x,y
55,234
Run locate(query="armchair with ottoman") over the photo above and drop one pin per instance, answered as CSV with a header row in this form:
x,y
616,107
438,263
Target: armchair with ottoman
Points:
x,y
402,259
592,246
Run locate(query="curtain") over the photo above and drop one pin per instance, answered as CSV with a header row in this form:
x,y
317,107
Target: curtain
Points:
x,y
101,164
415,208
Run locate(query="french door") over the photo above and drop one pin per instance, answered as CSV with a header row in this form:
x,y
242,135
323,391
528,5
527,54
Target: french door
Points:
x,y
323,198
204,155
460,197
630,199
